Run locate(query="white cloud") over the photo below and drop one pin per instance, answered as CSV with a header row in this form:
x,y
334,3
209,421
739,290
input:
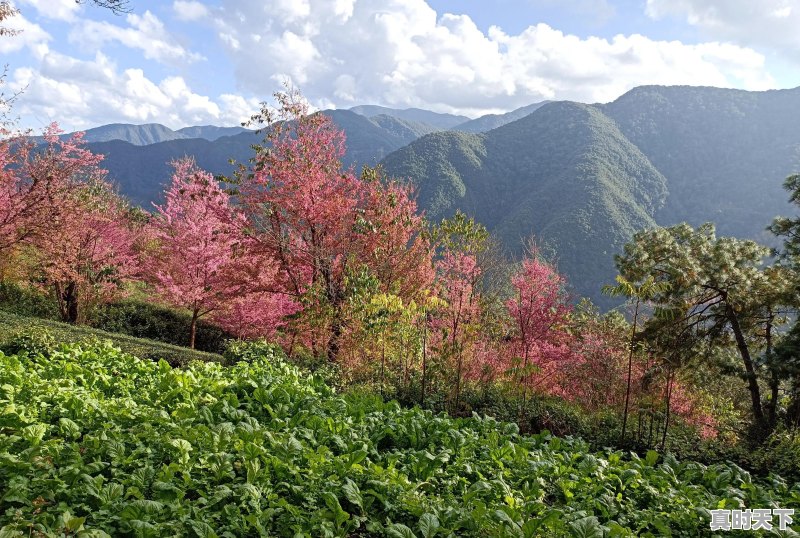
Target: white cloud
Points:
x,y
189,10
64,10
145,32
766,23
81,94
400,53
29,36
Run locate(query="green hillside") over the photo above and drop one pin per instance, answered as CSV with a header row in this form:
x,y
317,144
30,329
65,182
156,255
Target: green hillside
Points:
x,y
725,153
94,442
435,119
565,174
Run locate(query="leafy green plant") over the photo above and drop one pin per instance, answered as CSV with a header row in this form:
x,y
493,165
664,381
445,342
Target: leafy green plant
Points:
x,y
35,341
95,442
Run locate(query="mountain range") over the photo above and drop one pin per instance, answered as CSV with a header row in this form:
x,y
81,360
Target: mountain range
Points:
x,y
580,178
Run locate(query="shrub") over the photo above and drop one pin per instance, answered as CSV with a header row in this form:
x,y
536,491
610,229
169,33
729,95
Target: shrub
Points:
x,y
34,341
779,454
154,322
251,350
26,302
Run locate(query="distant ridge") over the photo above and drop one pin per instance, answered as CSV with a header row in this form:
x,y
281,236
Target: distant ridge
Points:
x,y
436,119
154,133
138,135
210,132
493,121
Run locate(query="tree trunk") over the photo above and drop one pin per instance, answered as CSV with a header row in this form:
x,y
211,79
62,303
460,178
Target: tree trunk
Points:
x,y
383,363
193,327
752,379
630,373
424,358
332,349
670,382
774,381
67,302
335,296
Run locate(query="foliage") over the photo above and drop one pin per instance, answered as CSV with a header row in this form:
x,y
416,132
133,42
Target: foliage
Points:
x,y
321,223
26,301
201,259
717,294
75,234
11,326
538,341
129,447
160,323
6,11
34,341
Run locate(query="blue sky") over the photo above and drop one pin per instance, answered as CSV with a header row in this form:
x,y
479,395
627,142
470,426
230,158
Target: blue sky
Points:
x,y
186,62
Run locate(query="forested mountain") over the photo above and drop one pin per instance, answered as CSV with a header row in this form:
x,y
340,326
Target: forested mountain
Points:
x,y
210,132
435,119
565,174
493,121
725,153
138,135
154,133
582,178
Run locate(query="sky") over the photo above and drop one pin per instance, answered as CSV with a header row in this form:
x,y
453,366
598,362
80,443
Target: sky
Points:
x,y
189,62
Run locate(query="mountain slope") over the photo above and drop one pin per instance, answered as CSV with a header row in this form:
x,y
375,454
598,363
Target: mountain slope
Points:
x,y
141,171
564,173
210,132
493,121
138,135
725,153
435,119
154,133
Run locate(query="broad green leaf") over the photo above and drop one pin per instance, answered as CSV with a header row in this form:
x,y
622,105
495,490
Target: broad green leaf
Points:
x,y
398,530
34,433
69,428
587,527
428,525
352,493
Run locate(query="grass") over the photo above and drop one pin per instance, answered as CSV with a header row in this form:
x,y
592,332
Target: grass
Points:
x,y
12,325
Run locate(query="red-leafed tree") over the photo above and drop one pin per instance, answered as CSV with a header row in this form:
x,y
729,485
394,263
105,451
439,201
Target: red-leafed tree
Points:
x,y
457,324
89,256
539,342
36,184
201,261
56,204
321,222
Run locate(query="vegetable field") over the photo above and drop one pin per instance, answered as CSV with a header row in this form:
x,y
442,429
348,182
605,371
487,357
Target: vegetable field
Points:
x,y
95,442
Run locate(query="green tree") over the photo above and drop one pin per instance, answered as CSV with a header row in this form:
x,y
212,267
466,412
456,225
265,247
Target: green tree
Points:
x,y
718,291
787,354
637,295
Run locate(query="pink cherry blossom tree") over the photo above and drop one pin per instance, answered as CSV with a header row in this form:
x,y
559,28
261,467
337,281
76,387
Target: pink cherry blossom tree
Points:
x,y
201,256
56,204
539,311
321,222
